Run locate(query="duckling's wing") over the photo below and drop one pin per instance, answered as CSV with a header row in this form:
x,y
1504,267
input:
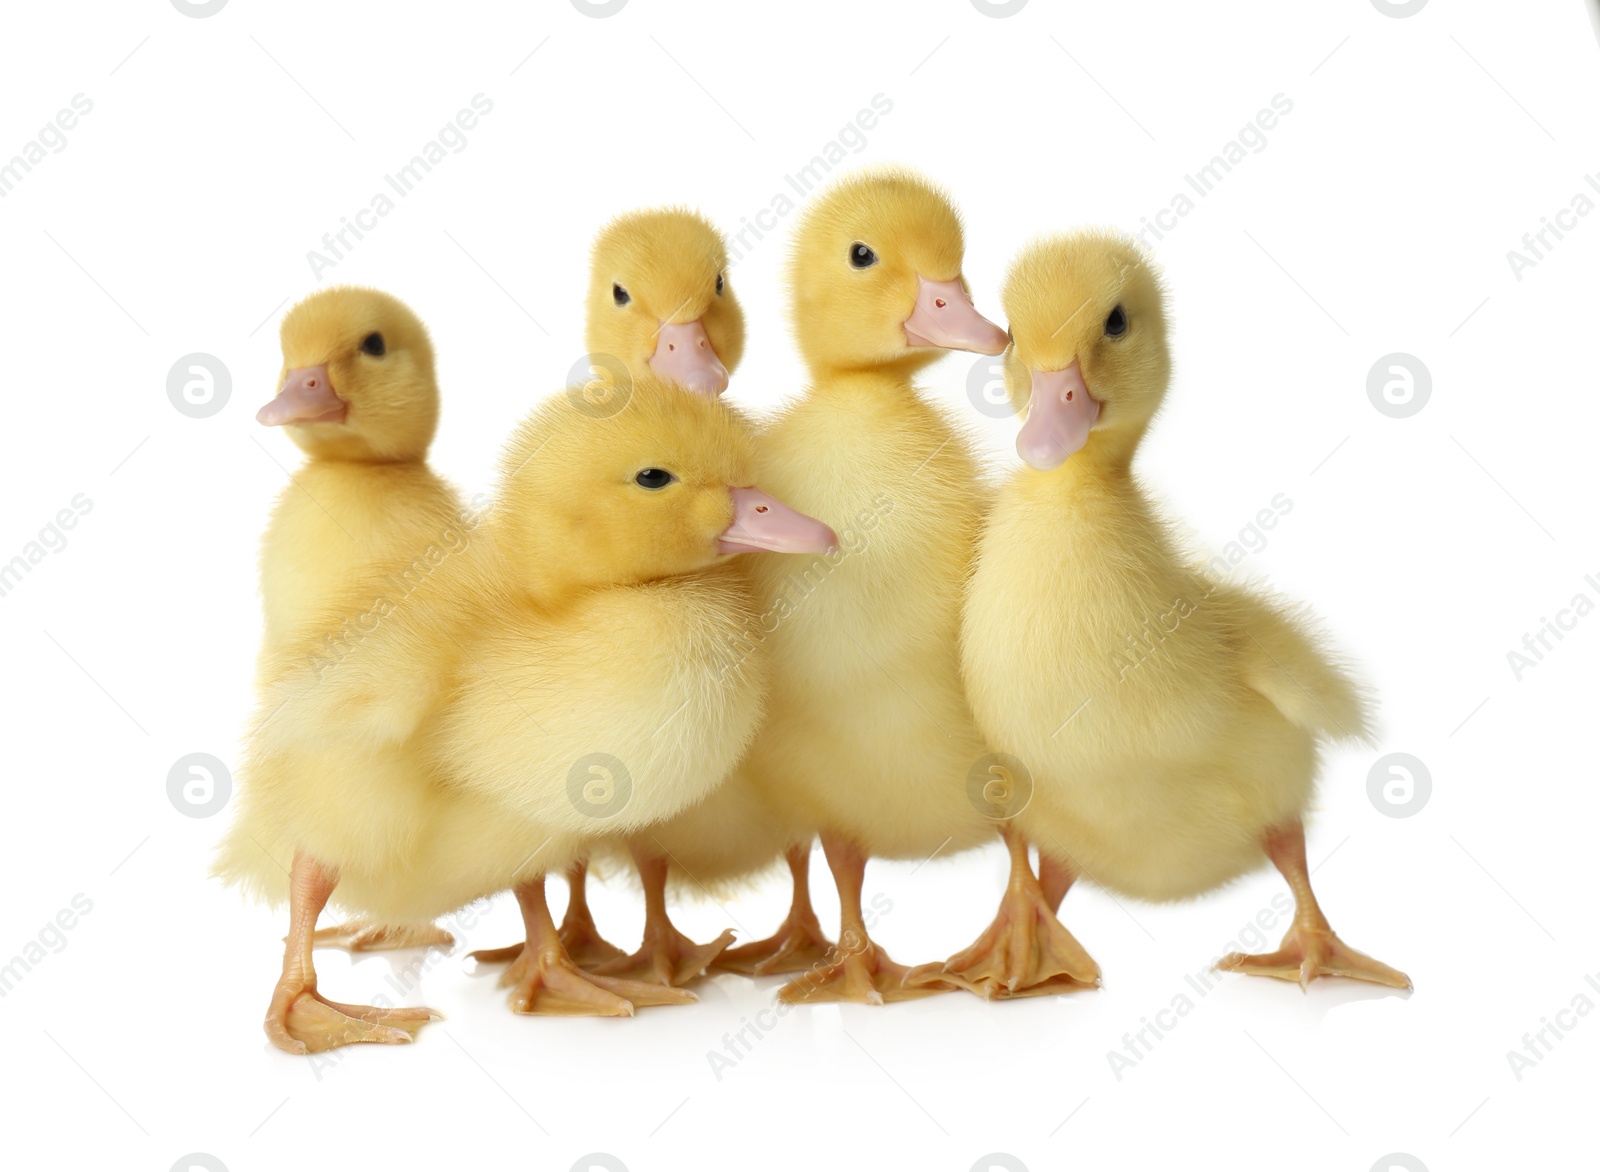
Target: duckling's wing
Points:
x,y
1283,658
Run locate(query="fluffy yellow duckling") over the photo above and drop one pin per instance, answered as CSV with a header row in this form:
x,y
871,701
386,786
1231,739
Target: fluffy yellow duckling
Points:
x,y
1169,724
567,675
869,739
357,394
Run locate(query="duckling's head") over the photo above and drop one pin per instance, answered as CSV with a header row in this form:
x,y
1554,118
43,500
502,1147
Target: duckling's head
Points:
x,y
357,381
659,298
658,489
1088,358
875,277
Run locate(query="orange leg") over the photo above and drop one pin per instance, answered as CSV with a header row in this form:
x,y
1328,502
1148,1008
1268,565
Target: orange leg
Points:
x,y
299,1019
578,932
857,970
371,936
1025,952
582,939
1310,949
665,956
797,945
544,980
1055,879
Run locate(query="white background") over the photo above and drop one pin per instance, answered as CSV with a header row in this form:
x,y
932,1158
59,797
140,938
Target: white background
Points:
x,y
1377,219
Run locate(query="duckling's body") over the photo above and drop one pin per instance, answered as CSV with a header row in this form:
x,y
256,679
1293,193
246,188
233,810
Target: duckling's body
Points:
x,y
870,735
564,677
336,521
1135,748
1169,724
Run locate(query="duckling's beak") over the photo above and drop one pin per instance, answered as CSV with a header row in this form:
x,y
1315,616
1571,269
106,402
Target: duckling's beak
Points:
x,y
1060,413
761,522
944,316
684,355
306,397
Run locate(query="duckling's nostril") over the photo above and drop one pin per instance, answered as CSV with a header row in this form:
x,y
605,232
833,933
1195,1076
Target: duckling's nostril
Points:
x,y
939,302
1069,396
761,508
671,346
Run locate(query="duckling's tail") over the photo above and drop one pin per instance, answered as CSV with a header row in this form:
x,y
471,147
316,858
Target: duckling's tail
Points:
x,y
1285,662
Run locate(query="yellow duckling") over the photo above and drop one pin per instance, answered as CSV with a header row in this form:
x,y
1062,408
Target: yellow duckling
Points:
x,y
565,676
357,394
869,740
1160,766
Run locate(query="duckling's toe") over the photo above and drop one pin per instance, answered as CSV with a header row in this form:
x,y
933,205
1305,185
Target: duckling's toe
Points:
x,y
1025,952
584,944
799,944
365,936
858,970
666,957
548,983
300,1021
1308,953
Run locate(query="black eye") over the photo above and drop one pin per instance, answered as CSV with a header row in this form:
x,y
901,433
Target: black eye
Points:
x,y
719,284
620,295
1117,323
372,344
654,478
862,257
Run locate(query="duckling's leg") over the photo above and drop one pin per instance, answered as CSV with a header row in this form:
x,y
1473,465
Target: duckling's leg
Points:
x,y
665,956
545,981
302,1021
857,969
1309,948
1025,952
1055,878
368,936
581,938
797,945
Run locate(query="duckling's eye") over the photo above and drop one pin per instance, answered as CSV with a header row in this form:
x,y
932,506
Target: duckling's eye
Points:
x,y
719,284
372,344
620,295
654,478
1117,323
862,257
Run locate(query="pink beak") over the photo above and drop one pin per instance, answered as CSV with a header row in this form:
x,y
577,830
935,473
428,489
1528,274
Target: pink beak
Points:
x,y
761,522
944,317
306,397
684,355
1061,411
